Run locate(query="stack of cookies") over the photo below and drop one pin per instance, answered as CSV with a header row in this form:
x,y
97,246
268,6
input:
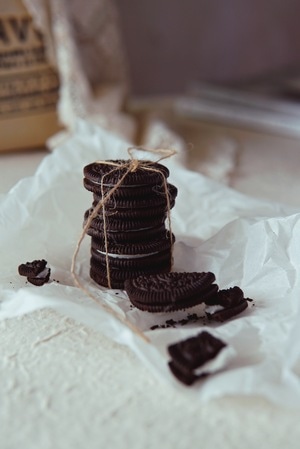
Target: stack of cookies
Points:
x,y
128,235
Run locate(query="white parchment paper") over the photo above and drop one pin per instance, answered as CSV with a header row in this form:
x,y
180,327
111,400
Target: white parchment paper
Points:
x,y
245,242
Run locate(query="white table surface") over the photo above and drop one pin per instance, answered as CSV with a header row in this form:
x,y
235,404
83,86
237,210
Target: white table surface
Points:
x,y
17,165
66,386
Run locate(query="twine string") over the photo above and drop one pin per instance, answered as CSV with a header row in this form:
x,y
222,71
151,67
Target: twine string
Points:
x,y
130,166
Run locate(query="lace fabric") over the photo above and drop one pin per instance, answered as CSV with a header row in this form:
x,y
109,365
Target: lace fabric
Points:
x,y
85,46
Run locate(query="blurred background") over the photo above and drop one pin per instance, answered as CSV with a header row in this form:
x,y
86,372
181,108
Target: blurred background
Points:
x,y
173,43
232,69
219,81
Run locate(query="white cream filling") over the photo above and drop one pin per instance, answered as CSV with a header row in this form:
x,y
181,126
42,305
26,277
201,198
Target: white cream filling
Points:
x,y
217,363
212,309
132,230
42,274
125,256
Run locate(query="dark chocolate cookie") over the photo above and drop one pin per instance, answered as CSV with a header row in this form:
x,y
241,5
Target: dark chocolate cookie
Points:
x,y
184,377
142,202
119,225
132,236
133,215
188,356
151,246
117,277
147,172
135,263
119,219
170,291
231,302
102,279
124,192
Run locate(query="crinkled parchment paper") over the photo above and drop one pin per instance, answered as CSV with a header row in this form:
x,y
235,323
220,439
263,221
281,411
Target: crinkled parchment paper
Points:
x,y
245,242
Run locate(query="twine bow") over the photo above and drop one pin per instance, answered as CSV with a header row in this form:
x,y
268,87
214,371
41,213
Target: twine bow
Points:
x,y
130,166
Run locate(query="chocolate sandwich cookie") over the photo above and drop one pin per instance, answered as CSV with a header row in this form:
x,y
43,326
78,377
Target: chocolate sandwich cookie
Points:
x,y
102,280
130,259
151,246
170,291
190,357
144,215
142,261
124,192
116,222
118,277
147,172
142,202
185,377
225,304
140,235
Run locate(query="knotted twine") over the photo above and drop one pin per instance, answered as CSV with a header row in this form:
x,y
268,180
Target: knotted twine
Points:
x,y
130,166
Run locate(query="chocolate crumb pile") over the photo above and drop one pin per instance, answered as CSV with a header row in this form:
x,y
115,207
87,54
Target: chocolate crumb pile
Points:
x,y
190,318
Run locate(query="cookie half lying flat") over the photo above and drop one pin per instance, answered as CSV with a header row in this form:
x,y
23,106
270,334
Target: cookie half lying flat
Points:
x,y
225,304
198,356
170,291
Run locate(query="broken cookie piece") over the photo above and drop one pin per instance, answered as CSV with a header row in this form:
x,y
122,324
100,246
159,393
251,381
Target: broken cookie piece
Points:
x,y
168,292
225,304
33,268
41,278
198,356
36,272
